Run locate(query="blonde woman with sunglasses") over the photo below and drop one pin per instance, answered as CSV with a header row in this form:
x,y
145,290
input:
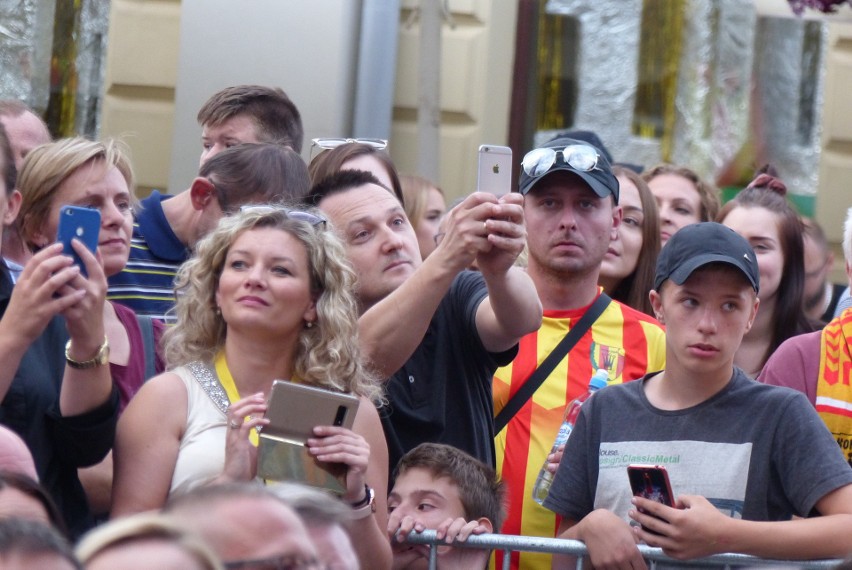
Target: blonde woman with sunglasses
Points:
x,y
266,296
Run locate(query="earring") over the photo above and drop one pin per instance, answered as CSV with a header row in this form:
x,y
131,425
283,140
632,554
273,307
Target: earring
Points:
x,y
309,324
217,310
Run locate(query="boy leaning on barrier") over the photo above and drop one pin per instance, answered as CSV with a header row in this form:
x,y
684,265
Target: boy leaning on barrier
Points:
x,y
438,487
758,454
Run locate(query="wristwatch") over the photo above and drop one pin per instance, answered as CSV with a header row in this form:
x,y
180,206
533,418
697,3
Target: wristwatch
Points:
x,y
366,506
100,358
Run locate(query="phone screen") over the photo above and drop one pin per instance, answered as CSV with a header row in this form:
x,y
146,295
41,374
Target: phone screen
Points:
x,y
651,482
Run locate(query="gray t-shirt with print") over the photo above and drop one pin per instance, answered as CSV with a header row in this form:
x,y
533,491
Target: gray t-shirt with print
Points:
x,y
756,452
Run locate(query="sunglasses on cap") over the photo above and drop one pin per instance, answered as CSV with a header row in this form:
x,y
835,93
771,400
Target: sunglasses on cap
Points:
x,y
580,157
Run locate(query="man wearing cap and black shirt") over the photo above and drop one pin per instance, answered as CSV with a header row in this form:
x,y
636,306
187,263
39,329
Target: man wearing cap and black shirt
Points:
x,y
571,209
742,457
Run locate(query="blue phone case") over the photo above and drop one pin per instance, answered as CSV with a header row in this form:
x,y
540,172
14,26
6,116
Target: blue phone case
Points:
x,y
81,223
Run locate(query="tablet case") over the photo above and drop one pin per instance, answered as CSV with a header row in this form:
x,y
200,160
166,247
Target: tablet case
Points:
x,y
294,410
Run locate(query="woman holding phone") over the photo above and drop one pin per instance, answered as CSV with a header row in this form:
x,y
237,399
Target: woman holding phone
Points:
x,y
62,399
95,178
266,296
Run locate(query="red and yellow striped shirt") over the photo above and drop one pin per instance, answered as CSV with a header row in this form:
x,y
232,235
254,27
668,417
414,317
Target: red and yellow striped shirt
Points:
x,y
626,342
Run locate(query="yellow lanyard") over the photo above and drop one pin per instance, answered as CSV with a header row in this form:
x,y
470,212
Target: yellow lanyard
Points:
x,y
230,387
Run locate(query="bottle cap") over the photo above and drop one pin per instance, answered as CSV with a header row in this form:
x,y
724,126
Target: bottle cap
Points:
x,y
599,379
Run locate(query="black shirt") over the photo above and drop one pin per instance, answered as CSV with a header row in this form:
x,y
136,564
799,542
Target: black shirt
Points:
x,y
59,444
442,394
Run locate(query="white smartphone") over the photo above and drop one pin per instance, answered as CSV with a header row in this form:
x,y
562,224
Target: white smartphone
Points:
x,y
495,170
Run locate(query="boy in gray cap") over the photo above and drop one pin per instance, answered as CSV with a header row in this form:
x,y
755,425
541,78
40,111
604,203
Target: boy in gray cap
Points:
x,y
742,457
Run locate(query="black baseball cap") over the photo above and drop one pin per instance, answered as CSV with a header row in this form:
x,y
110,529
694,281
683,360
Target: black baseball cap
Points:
x,y
599,178
696,245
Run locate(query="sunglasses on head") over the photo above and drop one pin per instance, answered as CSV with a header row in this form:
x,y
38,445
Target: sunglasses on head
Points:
x,y
298,215
581,157
329,143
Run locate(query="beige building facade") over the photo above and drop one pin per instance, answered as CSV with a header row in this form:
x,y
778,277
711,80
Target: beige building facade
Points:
x,y
476,63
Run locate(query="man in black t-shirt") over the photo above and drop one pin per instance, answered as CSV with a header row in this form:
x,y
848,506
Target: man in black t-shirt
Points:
x,y
435,330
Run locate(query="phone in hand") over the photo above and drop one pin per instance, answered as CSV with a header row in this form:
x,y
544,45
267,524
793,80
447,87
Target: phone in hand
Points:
x,y
495,170
293,410
81,223
651,482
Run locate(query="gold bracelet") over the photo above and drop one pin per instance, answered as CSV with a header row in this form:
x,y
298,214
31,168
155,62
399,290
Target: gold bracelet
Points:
x,y
100,358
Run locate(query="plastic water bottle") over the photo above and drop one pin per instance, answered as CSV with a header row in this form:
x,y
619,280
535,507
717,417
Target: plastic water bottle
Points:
x,y
545,477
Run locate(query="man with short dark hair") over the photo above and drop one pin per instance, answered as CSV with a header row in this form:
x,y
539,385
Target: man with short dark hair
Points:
x,y
166,230
249,113
25,131
572,212
742,457
10,205
435,330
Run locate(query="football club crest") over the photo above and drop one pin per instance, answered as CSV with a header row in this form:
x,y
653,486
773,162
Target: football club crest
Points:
x,y
610,358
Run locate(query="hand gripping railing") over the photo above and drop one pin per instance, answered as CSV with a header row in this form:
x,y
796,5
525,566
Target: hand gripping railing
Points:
x,y
508,543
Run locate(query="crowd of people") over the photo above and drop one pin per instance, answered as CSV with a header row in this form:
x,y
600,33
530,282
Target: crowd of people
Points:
x,y
135,382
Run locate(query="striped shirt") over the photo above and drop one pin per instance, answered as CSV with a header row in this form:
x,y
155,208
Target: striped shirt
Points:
x,y
625,342
146,284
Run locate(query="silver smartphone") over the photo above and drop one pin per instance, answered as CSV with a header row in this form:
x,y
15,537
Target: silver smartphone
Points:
x,y
293,411
495,170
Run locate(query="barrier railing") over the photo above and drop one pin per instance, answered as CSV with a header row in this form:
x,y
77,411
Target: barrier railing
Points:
x,y
509,543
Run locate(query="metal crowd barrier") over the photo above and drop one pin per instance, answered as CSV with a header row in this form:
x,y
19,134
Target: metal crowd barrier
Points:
x,y
508,543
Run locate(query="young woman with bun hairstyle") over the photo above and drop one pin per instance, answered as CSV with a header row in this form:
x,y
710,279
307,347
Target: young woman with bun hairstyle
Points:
x,y
762,215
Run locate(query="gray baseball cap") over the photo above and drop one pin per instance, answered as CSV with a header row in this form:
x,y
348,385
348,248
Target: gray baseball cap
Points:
x,y
696,245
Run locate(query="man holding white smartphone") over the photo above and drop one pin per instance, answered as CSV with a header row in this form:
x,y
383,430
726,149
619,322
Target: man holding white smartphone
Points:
x,y
436,331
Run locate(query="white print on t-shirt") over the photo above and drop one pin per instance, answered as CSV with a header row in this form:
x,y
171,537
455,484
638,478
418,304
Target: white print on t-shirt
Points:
x,y
716,471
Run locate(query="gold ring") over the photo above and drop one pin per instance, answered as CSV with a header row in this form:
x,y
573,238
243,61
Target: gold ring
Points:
x,y
234,425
